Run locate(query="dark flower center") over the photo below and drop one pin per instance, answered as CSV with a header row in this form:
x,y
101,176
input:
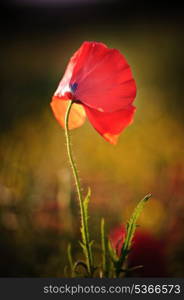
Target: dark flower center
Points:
x,y
73,86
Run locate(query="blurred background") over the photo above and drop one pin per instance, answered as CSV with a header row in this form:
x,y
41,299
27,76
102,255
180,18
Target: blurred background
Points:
x,y
39,212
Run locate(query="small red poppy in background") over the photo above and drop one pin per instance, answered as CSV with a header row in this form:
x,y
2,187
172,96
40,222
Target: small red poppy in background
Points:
x,y
99,82
147,250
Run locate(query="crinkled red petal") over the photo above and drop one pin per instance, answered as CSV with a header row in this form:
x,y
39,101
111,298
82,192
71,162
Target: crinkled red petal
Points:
x,y
110,125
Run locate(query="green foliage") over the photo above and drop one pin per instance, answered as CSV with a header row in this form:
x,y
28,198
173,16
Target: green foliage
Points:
x,y
104,245
86,244
112,265
112,252
70,260
85,238
130,231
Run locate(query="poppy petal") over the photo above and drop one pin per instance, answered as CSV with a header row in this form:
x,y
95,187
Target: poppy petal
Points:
x,y
78,66
110,125
77,114
104,78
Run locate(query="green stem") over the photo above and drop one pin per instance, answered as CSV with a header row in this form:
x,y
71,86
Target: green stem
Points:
x,y
104,250
84,225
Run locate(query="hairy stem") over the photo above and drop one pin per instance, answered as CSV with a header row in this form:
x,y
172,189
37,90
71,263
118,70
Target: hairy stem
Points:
x,y
84,224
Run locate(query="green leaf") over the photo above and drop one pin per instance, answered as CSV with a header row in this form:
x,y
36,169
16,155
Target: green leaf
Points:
x,y
105,268
112,252
70,259
85,237
131,227
86,244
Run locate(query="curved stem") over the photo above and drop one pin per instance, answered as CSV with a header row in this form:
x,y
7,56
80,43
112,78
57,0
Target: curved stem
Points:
x,y
84,225
69,152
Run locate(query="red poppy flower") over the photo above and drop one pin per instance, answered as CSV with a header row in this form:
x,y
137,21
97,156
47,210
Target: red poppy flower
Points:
x,y
99,82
